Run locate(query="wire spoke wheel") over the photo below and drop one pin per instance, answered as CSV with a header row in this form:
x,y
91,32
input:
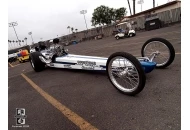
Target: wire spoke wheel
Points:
x,y
126,73
159,50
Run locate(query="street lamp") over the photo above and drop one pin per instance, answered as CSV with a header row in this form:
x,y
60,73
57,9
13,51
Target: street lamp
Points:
x,y
30,33
84,12
140,2
12,24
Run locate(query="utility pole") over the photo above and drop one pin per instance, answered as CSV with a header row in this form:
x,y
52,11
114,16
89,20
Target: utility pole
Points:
x,y
12,24
129,7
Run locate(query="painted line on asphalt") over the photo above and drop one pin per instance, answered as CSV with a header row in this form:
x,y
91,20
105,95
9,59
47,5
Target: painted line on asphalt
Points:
x,y
16,65
76,119
11,65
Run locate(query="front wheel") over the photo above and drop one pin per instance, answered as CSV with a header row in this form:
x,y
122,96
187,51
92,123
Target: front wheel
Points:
x,y
159,50
125,73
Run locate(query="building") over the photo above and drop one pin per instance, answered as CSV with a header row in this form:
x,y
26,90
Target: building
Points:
x,y
166,13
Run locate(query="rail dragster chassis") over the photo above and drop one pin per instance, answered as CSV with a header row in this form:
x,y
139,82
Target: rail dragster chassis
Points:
x,y
125,72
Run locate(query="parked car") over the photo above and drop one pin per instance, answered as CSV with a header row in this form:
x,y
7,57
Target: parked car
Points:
x,y
12,57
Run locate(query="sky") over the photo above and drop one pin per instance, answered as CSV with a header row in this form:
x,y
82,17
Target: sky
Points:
x,y
47,19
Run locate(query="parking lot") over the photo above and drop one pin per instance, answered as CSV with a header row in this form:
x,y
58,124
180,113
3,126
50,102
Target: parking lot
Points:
x,y
61,99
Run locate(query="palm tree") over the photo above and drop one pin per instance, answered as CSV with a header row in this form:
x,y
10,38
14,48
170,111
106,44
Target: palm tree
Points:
x,y
72,29
25,40
69,28
134,6
129,7
10,43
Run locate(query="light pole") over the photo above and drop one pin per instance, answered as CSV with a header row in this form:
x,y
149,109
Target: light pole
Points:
x,y
12,24
140,2
30,33
84,12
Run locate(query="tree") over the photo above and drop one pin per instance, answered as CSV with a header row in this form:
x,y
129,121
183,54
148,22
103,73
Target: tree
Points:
x,y
120,13
69,28
100,15
153,3
104,15
72,29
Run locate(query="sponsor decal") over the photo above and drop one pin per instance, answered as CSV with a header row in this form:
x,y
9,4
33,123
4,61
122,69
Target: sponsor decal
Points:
x,y
88,65
67,66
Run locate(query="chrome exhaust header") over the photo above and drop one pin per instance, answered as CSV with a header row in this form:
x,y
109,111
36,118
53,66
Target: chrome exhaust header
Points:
x,y
44,60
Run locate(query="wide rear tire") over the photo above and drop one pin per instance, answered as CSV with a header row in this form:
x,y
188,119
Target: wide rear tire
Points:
x,y
35,61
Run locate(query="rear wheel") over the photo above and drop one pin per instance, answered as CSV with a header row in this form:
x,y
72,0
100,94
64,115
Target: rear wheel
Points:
x,y
125,73
35,61
160,50
117,37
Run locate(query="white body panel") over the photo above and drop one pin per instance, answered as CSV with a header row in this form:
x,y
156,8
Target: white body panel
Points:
x,y
71,61
80,62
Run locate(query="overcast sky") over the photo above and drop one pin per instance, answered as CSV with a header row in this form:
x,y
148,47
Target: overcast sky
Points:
x,y
48,18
